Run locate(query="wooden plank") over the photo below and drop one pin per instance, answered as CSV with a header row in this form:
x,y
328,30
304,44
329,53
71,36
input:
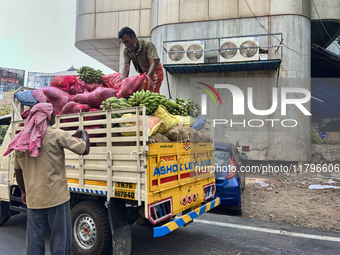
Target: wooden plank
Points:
x,y
126,139
125,120
95,177
123,129
95,167
96,131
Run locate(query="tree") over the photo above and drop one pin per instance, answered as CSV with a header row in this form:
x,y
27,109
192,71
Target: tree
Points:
x,y
4,110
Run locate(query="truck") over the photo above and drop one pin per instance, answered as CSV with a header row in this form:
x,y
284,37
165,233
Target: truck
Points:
x,y
124,179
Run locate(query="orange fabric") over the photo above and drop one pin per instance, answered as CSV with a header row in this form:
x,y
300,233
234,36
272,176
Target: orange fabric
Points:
x,y
157,78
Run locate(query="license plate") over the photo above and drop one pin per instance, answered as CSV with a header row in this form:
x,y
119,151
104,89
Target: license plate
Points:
x,y
126,185
125,194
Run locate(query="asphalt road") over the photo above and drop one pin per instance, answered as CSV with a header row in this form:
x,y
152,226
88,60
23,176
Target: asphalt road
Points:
x,y
213,233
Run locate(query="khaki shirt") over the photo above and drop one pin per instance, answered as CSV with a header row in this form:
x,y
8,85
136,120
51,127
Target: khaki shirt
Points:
x,y
45,176
140,60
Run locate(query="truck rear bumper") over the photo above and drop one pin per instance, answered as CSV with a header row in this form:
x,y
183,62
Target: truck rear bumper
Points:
x,y
179,222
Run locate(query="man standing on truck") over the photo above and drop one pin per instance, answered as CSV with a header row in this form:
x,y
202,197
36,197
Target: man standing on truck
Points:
x,y
39,166
144,57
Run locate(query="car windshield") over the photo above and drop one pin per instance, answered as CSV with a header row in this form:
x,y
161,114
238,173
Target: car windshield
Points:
x,y
222,157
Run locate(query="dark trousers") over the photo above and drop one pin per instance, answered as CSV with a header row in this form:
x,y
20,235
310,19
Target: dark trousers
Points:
x,y
59,220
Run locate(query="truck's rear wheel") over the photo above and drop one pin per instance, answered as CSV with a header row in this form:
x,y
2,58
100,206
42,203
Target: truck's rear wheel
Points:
x,y
91,228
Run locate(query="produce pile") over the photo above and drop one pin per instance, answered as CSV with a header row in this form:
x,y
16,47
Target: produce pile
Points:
x,y
92,91
151,101
88,90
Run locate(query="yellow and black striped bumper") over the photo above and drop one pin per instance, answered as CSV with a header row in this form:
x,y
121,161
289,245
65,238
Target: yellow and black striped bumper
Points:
x,y
179,222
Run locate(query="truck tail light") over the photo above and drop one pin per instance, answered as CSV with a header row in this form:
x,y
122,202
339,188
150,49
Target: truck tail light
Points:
x,y
209,191
160,210
232,168
189,199
184,200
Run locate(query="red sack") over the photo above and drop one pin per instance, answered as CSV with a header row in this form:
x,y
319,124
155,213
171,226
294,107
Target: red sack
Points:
x,y
73,107
58,101
96,117
91,86
63,82
96,97
25,114
56,81
75,127
112,80
133,84
78,88
144,83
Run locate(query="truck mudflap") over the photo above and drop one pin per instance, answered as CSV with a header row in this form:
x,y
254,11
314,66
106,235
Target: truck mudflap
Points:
x,y
179,222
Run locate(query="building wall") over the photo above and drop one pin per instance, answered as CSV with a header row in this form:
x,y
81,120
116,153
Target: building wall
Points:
x,y
180,11
267,143
98,23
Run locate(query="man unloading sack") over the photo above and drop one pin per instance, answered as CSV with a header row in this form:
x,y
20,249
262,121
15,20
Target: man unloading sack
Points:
x,y
39,166
144,57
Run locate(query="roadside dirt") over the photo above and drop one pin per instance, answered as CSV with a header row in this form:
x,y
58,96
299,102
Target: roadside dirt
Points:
x,y
288,199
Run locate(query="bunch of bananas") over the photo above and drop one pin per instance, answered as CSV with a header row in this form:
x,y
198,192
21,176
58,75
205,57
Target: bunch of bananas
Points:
x,y
148,99
179,107
183,107
195,109
90,75
115,103
151,101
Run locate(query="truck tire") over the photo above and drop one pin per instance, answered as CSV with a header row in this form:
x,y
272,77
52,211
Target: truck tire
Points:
x,y
91,229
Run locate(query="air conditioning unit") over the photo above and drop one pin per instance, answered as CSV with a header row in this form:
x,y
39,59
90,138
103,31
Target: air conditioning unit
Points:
x,y
228,54
195,57
174,57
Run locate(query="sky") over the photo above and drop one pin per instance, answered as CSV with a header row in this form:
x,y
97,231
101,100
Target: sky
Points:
x,y
39,36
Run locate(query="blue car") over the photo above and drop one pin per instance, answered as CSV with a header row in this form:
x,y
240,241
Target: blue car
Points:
x,y
230,181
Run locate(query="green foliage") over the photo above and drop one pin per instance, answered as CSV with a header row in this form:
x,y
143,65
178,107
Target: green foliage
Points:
x,y
315,137
4,110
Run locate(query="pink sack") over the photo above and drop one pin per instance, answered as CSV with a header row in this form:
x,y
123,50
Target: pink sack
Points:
x,y
78,88
73,107
40,96
58,101
96,97
91,86
112,80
